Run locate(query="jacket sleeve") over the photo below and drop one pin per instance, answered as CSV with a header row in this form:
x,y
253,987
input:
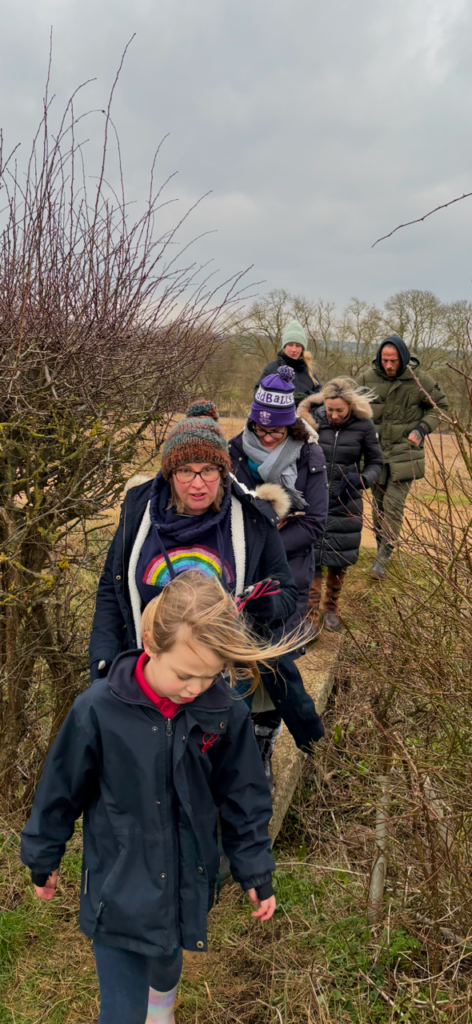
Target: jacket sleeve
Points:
x,y
430,419
69,777
265,372
372,453
241,793
301,531
108,622
273,565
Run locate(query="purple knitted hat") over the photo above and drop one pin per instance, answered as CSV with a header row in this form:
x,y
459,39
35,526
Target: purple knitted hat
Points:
x,y
274,403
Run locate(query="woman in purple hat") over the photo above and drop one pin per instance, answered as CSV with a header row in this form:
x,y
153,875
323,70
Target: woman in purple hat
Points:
x,y
278,457
278,449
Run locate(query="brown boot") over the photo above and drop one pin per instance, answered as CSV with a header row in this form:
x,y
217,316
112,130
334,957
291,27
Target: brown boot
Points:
x,y
314,600
334,583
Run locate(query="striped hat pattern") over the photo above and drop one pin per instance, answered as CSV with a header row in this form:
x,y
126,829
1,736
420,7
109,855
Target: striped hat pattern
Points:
x,y
197,438
273,404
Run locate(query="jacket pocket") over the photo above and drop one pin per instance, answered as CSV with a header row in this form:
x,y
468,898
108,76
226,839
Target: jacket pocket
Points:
x,y
137,896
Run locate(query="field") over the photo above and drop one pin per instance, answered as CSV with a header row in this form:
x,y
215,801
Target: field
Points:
x,y
316,961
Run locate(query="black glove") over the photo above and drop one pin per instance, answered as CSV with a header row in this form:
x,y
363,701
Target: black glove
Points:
x,y
257,601
350,487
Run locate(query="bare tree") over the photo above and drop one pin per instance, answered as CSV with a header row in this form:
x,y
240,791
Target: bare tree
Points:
x,y
260,330
418,317
363,328
104,327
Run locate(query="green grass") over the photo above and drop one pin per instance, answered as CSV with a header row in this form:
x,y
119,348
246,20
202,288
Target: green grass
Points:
x,y
46,966
316,960
311,953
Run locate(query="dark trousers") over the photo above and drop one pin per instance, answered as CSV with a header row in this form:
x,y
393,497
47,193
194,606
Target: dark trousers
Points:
x,y
388,507
290,699
125,978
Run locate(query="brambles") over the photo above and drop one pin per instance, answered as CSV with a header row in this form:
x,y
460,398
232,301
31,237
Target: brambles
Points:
x,y
104,328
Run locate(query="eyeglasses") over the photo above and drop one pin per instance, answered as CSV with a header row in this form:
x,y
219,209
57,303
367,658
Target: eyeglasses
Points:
x,y
276,434
208,474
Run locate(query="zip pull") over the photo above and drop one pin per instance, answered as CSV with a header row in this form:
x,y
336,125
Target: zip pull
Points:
x,y
169,727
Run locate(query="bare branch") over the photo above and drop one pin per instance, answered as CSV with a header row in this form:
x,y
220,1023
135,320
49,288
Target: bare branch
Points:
x,y
419,220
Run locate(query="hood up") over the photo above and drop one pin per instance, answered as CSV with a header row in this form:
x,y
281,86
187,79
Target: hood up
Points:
x,y
402,349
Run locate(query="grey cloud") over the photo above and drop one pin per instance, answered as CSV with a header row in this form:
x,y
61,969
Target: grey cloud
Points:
x,y
317,126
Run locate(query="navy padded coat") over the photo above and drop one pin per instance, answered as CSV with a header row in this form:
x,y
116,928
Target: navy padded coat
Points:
x,y
149,789
301,532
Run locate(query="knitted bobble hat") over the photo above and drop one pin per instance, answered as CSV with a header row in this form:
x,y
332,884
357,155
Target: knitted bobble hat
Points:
x,y
294,335
274,402
197,438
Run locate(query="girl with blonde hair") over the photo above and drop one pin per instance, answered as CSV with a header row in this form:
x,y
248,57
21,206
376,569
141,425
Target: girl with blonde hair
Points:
x,y
148,755
354,462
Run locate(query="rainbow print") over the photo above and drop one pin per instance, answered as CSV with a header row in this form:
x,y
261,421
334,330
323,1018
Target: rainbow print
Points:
x,y
156,574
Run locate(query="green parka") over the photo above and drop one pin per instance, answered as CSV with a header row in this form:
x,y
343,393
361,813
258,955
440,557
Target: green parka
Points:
x,y
401,406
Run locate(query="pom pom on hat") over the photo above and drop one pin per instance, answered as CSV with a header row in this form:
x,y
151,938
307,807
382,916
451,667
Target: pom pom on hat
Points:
x,y
196,438
203,409
287,374
273,404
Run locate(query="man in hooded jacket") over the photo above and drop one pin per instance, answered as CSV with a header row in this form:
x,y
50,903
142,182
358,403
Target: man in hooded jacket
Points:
x,y
404,411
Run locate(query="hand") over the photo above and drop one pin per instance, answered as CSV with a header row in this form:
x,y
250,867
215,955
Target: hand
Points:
x,y
261,593
283,522
48,891
266,907
415,437
352,484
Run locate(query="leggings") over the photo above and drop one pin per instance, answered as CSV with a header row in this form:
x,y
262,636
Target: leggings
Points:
x,y
125,978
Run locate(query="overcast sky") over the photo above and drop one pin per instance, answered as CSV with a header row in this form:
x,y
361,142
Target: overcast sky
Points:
x,y
318,126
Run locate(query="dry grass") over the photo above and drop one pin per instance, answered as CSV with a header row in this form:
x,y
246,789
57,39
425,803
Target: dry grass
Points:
x,y
315,962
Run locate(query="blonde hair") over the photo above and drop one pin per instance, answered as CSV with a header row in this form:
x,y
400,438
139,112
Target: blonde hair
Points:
x,y
200,605
357,398
308,358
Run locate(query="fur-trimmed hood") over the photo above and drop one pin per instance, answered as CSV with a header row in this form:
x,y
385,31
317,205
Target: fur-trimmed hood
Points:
x,y
308,408
136,480
275,494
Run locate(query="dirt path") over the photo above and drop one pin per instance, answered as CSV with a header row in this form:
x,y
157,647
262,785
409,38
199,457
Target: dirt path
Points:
x,y
317,668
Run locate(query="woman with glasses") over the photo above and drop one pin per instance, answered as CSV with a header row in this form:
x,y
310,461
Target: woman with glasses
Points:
x,y
192,515
278,448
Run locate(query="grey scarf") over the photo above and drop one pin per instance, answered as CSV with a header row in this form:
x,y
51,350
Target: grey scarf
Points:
x,y
278,466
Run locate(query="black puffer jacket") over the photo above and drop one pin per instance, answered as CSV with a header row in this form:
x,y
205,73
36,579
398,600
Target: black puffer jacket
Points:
x,y
303,383
352,447
149,789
